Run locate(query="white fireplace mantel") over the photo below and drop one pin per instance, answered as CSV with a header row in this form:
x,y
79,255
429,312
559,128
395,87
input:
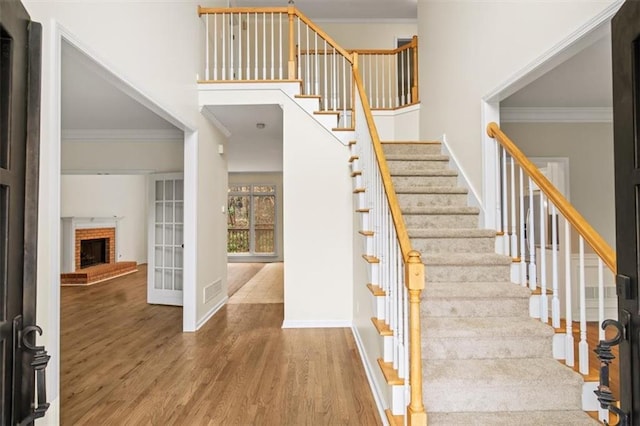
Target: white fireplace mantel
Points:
x,y
68,228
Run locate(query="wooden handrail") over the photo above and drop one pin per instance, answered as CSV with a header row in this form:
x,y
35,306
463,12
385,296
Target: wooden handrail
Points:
x,y
226,10
591,236
394,205
412,44
324,35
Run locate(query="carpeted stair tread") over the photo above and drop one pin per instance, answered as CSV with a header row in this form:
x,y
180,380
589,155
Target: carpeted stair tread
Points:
x,y
417,157
475,290
439,327
441,210
498,372
431,190
500,384
512,418
426,172
463,259
451,233
474,299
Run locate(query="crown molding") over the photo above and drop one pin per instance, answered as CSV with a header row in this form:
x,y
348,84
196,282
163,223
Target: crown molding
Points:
x,y
555,115
115,135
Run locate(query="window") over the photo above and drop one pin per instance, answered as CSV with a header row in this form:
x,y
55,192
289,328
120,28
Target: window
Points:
x,y
251,220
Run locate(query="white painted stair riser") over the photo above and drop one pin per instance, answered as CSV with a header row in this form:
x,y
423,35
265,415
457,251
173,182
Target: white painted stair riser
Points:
x,y
329,121
310,105
378,307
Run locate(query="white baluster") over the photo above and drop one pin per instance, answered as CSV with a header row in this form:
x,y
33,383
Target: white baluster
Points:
x,y
402,89
231,36
391,60
307,77
523,253
326,93
505,208
568,349
316,65
370,62
255,34
544,299
498,181
514,235
273,47
298,48
239,46
583,346
531,235
215,47
224,45
248,59
377,81
601,296
344,92
264,46
555,301
333,79
206,46
281,42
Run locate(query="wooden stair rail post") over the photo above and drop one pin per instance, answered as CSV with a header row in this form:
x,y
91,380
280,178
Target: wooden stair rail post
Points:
x,y
291,11
414,280
415,97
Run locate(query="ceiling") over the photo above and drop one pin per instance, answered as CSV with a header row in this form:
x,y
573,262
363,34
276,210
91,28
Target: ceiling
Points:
x,y
582,81
91,102
251,148
344,10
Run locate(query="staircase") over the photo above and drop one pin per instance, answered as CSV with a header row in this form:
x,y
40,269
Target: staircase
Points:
x,y
485,361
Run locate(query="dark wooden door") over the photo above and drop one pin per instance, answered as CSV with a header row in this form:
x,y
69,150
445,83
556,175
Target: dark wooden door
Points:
x,y
626,107
20,51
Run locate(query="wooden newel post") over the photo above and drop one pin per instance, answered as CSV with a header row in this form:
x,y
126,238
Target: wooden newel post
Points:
x,y
414,280
415,96
292,63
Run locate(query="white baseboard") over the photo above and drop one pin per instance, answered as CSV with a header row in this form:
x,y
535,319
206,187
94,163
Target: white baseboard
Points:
x,y
317,324
375,390
212,312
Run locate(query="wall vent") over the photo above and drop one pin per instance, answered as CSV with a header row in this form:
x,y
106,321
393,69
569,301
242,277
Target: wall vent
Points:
x,y
212,290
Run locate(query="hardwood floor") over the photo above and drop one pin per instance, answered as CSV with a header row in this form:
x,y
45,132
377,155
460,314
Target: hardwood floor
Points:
x,y
126,362
238,274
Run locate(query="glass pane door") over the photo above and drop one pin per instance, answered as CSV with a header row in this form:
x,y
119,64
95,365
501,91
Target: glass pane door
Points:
x,y
166,240
252,220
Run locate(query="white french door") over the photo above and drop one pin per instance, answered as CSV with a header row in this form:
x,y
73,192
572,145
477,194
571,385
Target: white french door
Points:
x,y
166,239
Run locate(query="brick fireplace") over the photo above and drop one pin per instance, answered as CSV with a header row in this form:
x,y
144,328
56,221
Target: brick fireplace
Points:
x,y
94,231
109,234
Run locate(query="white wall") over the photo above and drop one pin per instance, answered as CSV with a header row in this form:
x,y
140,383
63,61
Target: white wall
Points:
x,y
398,125
589,147
106,196
469,48
318,287
370,35
124,156
267,179
211,259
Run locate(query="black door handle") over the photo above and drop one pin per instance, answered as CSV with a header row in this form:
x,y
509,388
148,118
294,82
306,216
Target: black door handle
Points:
x,y
39,364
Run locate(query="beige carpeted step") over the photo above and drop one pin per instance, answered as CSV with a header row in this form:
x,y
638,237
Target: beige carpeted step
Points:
x,y
423,196
485,337
432,241
434,177
513,418
404,163
479,299
402,147
441,217
469,267
487,385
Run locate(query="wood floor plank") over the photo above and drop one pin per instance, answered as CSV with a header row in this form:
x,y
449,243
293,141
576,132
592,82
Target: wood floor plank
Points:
x,y
127,362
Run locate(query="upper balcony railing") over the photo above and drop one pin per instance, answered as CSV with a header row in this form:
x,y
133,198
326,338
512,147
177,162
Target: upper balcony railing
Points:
x,y
282,44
